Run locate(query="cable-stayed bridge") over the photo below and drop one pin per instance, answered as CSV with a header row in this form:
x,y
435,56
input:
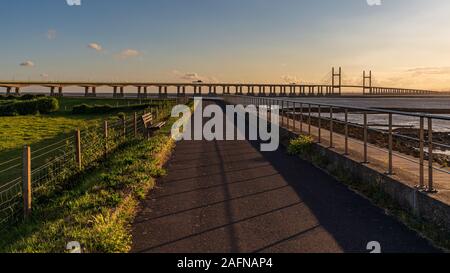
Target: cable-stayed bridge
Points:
x,y
332,87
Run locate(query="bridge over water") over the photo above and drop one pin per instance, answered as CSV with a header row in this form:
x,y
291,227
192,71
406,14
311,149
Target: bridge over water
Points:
x,y
144,89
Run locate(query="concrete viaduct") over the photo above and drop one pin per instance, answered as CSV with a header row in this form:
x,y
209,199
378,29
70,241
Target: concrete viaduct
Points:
x,y
284,90
200,88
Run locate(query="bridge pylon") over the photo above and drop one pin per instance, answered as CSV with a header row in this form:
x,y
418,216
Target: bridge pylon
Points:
x,y
336,81
367,82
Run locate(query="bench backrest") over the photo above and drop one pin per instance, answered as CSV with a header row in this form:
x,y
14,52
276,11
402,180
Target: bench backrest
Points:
x,y
147,119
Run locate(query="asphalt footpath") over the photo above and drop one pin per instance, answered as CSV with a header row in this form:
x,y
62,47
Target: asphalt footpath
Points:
x,y
228,197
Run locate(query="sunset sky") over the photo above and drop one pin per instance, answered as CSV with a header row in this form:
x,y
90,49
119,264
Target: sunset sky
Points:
x,y
405,42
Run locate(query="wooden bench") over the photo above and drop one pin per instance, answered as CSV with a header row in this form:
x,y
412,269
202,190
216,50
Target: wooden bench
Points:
x,y
149,127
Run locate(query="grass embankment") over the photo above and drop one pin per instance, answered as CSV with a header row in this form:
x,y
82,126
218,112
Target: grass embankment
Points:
x,y
98,210
39,131
32,129
303,147
20,130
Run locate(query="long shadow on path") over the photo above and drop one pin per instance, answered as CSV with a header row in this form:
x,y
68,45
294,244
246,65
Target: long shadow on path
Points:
x,y
227,196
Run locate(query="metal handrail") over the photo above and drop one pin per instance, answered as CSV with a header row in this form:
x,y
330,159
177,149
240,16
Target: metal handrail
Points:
x,y
424,141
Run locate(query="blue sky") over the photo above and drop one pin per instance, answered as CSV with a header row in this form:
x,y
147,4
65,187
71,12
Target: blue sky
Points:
x,y
403,41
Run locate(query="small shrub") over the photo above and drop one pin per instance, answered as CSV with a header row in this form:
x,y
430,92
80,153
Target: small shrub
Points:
x,y
121,115
80,109
9,97
301,145
84,109
30,97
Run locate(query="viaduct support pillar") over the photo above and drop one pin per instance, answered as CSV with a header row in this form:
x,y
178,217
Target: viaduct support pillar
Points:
x,y
145,92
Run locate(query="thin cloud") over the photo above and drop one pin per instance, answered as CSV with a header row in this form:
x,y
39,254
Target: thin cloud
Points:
x,y
429,70
51,34
95,46
193,77
289,79
129,53
27,64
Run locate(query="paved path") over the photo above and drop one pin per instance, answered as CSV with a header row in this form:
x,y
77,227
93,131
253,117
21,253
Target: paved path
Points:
x,y
229,197
406,168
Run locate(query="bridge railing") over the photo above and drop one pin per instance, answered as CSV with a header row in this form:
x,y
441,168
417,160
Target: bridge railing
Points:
x,y
419,139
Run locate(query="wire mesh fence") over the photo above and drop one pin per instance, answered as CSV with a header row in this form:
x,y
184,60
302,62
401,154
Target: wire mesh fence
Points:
x,y
56,164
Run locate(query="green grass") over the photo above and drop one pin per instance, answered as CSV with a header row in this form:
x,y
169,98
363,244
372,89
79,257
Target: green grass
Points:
x,y
20,130
301,145
41,130
97,212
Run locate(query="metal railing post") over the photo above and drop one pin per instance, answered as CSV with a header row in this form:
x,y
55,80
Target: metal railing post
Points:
x,y
390,147
319,113
346,133
365,139
295,117
26,181
331,127
422,154
309,119
430,156
301,117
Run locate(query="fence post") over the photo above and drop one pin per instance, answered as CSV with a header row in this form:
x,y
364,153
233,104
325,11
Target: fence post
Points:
x,y
135,124
124,125
26,181
78,149
105,135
